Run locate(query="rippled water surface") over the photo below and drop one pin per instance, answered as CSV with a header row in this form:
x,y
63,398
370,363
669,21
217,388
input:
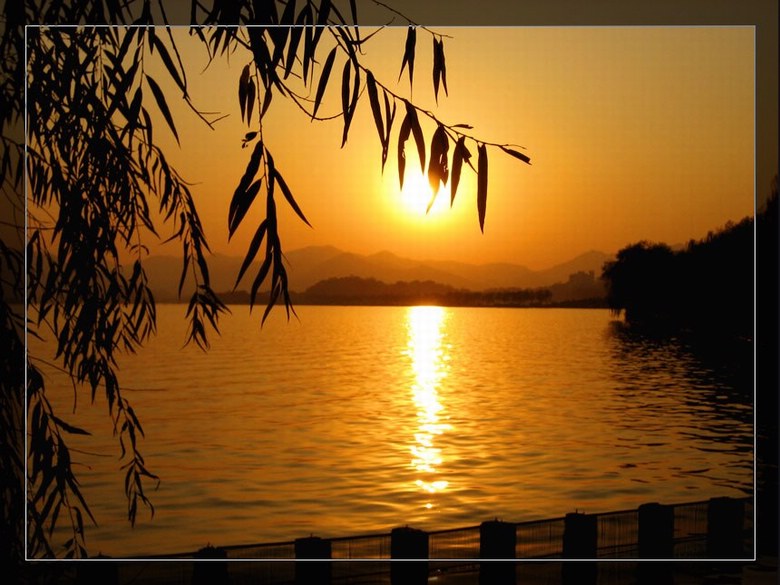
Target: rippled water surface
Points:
x,y
359,419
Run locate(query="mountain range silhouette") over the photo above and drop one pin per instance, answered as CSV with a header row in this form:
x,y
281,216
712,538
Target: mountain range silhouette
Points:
x,y
308,266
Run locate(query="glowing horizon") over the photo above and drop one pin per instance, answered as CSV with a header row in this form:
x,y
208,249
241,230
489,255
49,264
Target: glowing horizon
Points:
x,y
634,134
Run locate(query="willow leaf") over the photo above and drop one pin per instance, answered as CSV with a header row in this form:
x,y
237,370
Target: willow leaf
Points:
x,y
254,246
289,197
125,46
243,84
242,201
267,97
69,428
438,171
411,40
308,42
349,42
288,15
204,267
238,204
355,92
322,21
349,104
169,63
323,81
322,16
252,166
443,67
457,164
390,117
482,185
345,89
250,100
295,41
353,9
147,126
403,135
517,155
436,69
261,274
279,37
277,290
125,81
160,98
373,98
54,497
133,112
411,114
271,208
439,67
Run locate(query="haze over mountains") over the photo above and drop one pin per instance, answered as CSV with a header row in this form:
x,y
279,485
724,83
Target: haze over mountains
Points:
x,y
308,266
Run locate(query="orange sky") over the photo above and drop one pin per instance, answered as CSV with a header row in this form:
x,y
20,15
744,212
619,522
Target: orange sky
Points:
x,y
634,133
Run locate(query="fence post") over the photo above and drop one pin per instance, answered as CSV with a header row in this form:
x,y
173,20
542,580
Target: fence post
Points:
x,y
656,531
210,572
725,524
579,536
579,542
656,541
497,540
408,543
312,547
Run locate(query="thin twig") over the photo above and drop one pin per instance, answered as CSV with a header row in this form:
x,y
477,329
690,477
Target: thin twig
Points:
x,y
409,20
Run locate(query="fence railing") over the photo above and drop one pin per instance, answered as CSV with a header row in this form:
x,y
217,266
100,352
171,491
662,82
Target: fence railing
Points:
x,y
719,528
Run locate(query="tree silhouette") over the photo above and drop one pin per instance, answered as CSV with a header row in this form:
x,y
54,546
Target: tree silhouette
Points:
x,y
96,180
705,288
640,282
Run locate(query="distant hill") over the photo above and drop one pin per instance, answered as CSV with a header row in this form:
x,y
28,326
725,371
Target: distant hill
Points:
x,y
308,266
581,290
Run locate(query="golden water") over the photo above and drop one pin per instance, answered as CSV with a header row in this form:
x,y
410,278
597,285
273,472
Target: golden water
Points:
x,y
360,419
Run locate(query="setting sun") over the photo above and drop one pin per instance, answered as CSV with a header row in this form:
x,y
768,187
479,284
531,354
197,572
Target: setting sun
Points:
x,y
416,197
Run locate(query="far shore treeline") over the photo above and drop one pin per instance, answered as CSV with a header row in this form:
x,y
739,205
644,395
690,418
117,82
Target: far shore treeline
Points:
x,y
706,285
354,290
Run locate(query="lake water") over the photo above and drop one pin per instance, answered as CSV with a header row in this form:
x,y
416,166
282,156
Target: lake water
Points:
x,y
360,419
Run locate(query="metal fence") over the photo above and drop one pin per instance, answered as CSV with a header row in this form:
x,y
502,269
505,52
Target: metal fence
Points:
x,y
692,533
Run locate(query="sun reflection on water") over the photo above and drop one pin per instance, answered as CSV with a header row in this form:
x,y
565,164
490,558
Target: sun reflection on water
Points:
x,y
429,357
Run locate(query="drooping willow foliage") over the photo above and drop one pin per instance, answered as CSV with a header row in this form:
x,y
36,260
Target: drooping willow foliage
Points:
x,y
98,188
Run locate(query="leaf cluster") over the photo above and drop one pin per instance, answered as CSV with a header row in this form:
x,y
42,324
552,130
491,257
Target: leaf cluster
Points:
x,y
94,170
100,186
289,48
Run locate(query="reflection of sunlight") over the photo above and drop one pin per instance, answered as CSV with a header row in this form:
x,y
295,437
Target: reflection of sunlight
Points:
x,y
428,356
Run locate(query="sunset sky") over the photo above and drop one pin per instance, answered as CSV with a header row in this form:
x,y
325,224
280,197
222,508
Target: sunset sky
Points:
x,y
634,133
